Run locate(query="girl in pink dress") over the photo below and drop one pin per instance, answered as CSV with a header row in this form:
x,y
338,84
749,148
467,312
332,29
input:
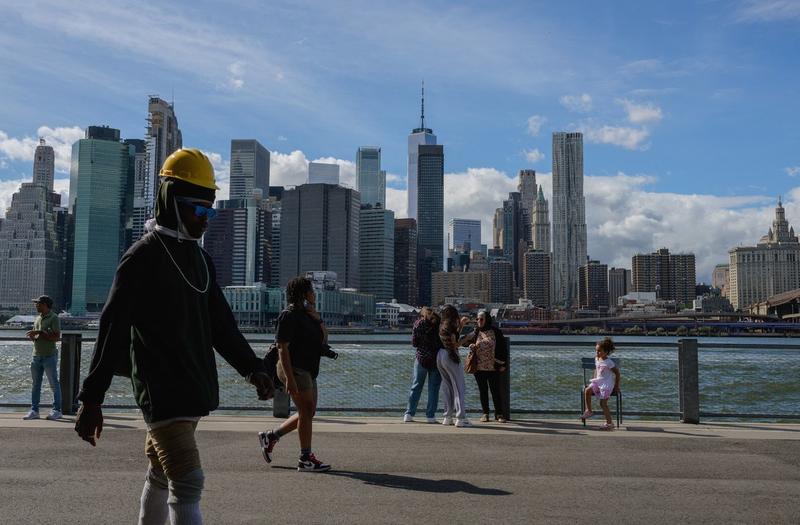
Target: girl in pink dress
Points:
x,y
605,381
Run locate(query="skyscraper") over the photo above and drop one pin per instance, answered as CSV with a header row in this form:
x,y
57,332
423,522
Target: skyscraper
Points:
x,y
249,169
527,191
420,136
515,243
430,216
370,179
31,247
320,232
770,267
593,285
238,241
617,284
323,173
670,276
501,281
275,196
536,276
464,235
44,159
101,201
405,254
377,259
141,213
720,278
162,138
541,224
497,228
569,216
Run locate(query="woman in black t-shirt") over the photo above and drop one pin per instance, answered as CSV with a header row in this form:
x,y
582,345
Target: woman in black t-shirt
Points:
x,y
302,338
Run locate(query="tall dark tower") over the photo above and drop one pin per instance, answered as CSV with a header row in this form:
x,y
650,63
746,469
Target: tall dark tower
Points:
x,y
426,201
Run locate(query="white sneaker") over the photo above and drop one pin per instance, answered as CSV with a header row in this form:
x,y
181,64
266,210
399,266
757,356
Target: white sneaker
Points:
x,y
432,420
463,423
55,414
408,418
32,415
447,421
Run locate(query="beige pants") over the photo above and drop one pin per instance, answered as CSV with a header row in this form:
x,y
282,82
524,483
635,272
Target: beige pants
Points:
x,y
173,449
302,378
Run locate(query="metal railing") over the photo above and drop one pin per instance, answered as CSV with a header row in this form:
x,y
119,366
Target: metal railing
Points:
x,y
734,380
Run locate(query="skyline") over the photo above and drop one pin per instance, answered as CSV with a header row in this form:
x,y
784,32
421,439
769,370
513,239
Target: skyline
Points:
x,y
687,114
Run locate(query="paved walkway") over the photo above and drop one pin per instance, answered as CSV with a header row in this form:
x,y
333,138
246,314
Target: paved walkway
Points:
x,y
389,472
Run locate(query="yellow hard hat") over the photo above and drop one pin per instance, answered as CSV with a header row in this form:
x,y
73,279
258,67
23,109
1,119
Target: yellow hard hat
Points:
x,y
190,165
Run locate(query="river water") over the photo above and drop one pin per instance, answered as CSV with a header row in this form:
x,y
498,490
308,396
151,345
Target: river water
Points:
x,y
373,372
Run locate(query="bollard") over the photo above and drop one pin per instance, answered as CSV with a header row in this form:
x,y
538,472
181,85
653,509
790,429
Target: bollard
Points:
x,y
505,384
280,404
70,372
688,381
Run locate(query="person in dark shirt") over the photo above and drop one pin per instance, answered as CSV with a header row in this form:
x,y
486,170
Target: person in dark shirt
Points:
x,y
164,317
302,338
425,339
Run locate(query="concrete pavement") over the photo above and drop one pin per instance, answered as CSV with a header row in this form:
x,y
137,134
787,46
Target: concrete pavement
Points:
x,y
389,472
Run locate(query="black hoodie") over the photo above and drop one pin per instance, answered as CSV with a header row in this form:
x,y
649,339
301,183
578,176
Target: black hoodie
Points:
x,y
164,316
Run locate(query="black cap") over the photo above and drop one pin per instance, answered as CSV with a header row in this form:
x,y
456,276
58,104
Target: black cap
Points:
x,y
44,299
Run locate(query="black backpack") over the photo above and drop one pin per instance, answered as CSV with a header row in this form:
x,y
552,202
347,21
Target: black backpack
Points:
x,y
271,365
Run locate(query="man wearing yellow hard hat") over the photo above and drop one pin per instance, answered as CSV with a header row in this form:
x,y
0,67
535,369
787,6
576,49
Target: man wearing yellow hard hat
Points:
x,y
164,317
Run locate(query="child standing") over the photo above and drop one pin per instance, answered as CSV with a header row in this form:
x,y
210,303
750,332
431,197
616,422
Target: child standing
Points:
x,y
604,383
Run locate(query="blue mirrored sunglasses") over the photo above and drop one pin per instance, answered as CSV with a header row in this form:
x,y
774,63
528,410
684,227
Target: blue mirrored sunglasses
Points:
x,y
199,209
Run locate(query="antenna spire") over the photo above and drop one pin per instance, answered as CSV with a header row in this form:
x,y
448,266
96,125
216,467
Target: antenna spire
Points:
x,y
422,114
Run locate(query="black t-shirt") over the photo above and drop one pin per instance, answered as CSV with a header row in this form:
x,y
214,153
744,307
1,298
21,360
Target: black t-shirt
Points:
x,y
304,335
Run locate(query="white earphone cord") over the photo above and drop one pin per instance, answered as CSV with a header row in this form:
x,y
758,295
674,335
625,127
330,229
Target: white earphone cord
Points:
x,y
205,264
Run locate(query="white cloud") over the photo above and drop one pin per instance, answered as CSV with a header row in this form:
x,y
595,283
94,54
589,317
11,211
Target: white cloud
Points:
x,y
768,10
577,103
646,113
533,155
792,171
475,194
624,218
23,148
235,74
535,123
626,137
395,180
9,187
222,173
347,170
647,65
397,201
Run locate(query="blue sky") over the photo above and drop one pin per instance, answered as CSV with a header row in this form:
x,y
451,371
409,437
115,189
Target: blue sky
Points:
x,y
689,104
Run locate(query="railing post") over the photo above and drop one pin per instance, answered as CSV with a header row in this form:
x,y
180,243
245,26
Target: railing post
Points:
x,y
280,404
688,381
505,384
70,372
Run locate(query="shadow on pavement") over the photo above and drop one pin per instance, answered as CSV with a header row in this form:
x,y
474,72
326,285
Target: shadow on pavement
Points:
x,y
660,430
437,486
751,426
318,419
392,481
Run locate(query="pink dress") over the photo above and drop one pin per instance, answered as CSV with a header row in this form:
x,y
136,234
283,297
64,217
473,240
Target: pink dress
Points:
x,y
603,383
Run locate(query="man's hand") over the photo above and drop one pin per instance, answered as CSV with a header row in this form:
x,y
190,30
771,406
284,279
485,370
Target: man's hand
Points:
x,y
263,384
89,422
32,334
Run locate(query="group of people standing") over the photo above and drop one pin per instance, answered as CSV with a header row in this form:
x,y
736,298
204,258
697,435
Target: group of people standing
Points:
x,y
437,336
